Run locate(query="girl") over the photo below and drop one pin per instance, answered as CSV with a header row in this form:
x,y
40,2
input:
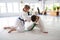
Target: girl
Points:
x,y
19,25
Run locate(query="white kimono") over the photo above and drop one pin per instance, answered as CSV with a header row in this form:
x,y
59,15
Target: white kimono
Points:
x,y
40,25
19,25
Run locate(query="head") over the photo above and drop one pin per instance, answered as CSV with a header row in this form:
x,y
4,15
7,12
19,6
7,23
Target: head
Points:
x,y
34,18
58,8
26,8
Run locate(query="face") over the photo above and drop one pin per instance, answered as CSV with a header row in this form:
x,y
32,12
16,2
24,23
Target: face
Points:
x,y
37,18
26,10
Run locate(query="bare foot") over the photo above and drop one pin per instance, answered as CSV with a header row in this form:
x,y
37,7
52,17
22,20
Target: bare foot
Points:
x,y
13,29
9,31
45,32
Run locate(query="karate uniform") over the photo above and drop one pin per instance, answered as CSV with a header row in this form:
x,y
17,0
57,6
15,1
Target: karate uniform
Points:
x,y
38,24
19,25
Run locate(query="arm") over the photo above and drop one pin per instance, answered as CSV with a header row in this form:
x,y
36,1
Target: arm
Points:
x,y
26,17
41,26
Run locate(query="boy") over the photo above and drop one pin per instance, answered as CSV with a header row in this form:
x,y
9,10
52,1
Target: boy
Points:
x,y
36,21
20,21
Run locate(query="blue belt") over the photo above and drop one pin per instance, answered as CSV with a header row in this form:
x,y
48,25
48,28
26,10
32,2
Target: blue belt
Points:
x,y
21,20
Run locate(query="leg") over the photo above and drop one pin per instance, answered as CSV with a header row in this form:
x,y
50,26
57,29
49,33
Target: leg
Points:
x,y
41,27
42,30
13,29
7,27
19,24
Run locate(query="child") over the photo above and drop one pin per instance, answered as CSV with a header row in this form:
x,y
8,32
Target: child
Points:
x,y
57,12
20,21
36,22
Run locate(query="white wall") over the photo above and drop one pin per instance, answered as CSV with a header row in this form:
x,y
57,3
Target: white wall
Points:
x,y
18,1
47,2
30,1
9,0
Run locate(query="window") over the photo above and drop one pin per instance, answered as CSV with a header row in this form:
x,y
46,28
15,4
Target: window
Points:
x,y
21,7
2,8
15,7
10,8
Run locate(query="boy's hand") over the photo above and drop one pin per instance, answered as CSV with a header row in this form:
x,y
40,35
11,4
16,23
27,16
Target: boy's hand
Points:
x,y
25,20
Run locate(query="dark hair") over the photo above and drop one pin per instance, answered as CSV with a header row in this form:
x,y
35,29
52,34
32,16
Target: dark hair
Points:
x,y
33,18
58,8
27,6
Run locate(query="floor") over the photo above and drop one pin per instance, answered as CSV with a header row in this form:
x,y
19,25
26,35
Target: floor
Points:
x,y
52,25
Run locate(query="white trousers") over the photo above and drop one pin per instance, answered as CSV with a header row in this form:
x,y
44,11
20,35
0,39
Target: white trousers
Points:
x,y
19,25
